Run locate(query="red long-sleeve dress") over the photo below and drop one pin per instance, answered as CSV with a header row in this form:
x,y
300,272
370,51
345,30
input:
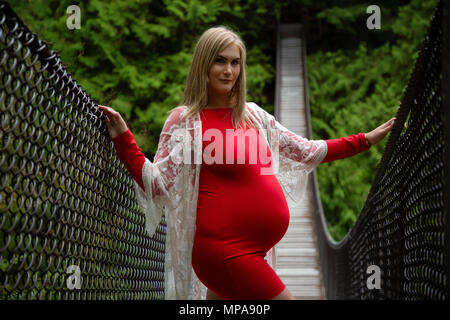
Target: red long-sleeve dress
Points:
x,y
241,213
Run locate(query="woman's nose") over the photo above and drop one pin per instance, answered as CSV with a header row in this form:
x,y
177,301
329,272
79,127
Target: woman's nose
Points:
x,y
227,69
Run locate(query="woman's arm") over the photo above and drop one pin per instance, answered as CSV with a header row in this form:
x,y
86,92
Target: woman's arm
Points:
x,y
161,174
130,155
155,182
354,144
292,146
313,152
345,147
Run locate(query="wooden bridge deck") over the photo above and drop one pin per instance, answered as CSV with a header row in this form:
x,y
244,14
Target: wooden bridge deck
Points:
x,y
297,254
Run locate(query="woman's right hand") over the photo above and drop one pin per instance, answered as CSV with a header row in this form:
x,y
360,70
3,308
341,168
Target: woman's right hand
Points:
x,y
114,122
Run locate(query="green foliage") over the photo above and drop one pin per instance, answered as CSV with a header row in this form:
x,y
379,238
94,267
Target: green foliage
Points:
x,y
134,55
342,17
355,90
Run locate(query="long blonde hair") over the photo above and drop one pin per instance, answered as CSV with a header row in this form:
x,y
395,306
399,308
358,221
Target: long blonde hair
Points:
x,y
210,44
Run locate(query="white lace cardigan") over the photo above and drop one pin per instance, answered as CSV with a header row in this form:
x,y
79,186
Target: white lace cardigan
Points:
x,y
172,182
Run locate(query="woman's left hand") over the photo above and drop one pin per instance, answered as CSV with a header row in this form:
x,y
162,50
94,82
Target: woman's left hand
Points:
x,y
379,133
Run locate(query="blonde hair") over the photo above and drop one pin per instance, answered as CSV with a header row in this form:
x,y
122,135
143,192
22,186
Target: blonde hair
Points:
x,y
210,44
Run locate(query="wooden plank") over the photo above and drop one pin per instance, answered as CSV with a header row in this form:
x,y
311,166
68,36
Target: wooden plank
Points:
x,y
297,255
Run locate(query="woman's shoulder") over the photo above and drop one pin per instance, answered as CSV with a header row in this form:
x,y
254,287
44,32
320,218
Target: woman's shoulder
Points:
x,y
256,109
178,110
175,116
252,107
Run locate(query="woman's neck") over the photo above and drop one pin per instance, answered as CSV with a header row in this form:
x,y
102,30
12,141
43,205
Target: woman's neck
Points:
x,y
219,101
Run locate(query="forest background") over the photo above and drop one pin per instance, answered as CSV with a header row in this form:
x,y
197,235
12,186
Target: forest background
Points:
x,y
134,56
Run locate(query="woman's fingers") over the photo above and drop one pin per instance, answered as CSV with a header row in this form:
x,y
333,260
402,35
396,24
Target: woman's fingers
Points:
x,y
105,109
390,122
109,113
114,121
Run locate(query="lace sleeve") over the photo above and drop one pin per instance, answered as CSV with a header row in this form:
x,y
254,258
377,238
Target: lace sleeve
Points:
x,y
159,177
293,157
308,152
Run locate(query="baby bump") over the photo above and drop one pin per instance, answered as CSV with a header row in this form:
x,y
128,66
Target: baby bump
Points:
x,y
249,216
258,218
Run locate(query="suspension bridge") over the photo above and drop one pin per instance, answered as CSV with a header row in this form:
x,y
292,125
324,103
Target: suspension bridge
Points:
x,y
66,200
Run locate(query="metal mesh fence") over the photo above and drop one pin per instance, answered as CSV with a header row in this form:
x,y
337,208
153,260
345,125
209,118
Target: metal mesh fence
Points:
x,y
401,228
65,198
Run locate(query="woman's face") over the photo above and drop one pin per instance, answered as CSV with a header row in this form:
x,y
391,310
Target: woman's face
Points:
x,y
225,70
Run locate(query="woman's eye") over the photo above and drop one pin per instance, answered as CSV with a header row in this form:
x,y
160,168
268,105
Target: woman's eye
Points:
x,y
221,60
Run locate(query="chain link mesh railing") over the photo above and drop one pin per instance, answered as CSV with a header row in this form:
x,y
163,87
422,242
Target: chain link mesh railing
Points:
x,y
65,198
402,226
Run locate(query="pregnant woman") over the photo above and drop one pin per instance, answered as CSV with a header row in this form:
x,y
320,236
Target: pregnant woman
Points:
x,y
240,213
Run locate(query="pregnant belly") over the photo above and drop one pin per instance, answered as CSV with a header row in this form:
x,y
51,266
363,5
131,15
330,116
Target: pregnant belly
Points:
x,y
250,216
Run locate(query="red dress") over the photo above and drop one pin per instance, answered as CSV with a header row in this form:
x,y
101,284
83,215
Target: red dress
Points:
x,y
241,213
